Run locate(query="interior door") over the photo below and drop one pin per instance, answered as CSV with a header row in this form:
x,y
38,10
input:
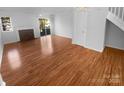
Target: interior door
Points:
x,y
80,27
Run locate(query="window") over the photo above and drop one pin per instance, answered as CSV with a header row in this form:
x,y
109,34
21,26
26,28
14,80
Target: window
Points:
x,y
6,24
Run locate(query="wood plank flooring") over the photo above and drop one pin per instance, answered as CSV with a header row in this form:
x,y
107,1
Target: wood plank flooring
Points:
x,y
54,61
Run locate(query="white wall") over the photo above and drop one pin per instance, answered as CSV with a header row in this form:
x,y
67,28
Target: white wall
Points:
x,y
1,53
114,36
20,21
89,27
26,18
93,27
1,46
64,24
96,20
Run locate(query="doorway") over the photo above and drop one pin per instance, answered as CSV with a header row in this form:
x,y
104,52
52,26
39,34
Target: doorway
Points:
x,y
44,26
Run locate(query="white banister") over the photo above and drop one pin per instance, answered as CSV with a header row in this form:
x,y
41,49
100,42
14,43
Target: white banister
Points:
x,y
116,16
119,12
114,11
110,9
123,14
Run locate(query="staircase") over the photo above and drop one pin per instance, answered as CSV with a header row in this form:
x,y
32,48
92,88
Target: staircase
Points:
x,y
116,16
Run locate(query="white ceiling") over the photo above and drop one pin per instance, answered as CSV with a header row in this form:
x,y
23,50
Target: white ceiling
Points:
x,y
36,9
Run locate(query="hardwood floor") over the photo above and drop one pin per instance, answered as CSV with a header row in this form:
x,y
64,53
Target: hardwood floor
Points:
x,y
55,61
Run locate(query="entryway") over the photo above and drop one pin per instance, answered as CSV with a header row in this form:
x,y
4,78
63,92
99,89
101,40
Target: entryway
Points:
x,y
44,26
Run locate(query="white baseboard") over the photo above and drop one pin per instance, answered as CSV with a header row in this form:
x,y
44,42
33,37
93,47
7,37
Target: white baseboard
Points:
x,y
97,50
3,84
120,48
63,35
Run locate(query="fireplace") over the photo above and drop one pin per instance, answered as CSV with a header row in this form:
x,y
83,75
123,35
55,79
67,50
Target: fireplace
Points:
x,y
26,34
